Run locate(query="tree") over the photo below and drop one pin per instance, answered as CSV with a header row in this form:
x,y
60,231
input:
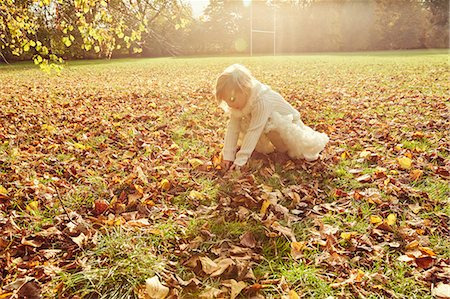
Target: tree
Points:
x,y
438,29
48,30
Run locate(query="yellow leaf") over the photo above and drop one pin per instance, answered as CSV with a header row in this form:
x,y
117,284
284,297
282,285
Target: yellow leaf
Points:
x,y
293,295
344,155
391,219
427,251
196,162
375,219
360,275
164,184
79,146
264,207
404,162
347,235
48,128
415,174
196,195
139,189
3,190
33,207
174,146
297,249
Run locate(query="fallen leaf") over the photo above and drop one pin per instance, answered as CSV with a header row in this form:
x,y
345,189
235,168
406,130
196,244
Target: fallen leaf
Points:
x,y
208,265
375,219
155,289
441,290
364,154
210,293
265,205
3,190
164,184
391,219
404,162
364,178
248,240
348,235
196,195
222,266
293,295
236,288
33,207
196,162
141,175
32,243
297,249
100,206
79,146
415,174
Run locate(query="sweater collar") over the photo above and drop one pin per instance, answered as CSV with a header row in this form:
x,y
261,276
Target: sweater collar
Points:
x,y
258,89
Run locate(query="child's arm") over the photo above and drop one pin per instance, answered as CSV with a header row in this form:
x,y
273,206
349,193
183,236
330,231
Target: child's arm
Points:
x,y
260,115
231,138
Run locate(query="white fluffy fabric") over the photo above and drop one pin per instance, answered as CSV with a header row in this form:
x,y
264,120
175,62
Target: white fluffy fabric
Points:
x,y
302,141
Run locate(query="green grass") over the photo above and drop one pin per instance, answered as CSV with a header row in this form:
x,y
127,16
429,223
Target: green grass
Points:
x,y
120,263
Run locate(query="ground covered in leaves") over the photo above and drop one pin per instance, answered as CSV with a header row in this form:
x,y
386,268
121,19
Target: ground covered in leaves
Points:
x,y
109,176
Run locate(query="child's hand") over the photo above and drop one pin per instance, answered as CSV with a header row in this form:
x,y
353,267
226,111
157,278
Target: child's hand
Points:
x,y
226,165
235,167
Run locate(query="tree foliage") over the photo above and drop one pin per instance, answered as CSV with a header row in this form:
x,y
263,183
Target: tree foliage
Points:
x,y
48,30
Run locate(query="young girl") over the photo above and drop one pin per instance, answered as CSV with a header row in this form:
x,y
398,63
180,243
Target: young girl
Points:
x,y
263,119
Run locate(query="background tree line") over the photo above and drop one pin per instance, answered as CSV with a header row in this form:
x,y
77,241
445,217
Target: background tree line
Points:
x,y
51,29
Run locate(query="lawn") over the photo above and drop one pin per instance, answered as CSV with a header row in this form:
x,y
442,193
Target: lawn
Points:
x,y
109,176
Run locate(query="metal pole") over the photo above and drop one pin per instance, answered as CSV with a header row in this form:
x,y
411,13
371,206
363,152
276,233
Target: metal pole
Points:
x,y
274,28
251,28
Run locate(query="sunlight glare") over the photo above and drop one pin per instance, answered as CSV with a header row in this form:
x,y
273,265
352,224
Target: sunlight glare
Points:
x,y
247,3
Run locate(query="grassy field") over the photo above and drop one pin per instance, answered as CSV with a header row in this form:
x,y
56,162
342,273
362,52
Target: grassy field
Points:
x,y
108,177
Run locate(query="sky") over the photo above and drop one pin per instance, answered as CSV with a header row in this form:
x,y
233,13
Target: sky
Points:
x,y
198,6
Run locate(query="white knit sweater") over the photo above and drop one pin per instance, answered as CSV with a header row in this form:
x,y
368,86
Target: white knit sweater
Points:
x,y
262,102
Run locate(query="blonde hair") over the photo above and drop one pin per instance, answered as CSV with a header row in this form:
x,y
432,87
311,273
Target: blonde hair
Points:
x,y
234,77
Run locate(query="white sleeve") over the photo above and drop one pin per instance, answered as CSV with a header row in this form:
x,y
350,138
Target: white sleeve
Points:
x,y
231,138
258,121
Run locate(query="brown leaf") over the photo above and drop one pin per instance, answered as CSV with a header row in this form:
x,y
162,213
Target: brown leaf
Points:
x,y
236,288
210,293
32,243
248,240
208,266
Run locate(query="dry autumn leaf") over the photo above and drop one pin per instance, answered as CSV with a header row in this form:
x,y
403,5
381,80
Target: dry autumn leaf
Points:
x,y
441,290
155,289
416,174
348,235
165,184
236,288
404,162
196,163
3,190
391,219
375,219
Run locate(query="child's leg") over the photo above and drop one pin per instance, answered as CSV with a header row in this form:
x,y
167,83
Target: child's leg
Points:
x,y
276,140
